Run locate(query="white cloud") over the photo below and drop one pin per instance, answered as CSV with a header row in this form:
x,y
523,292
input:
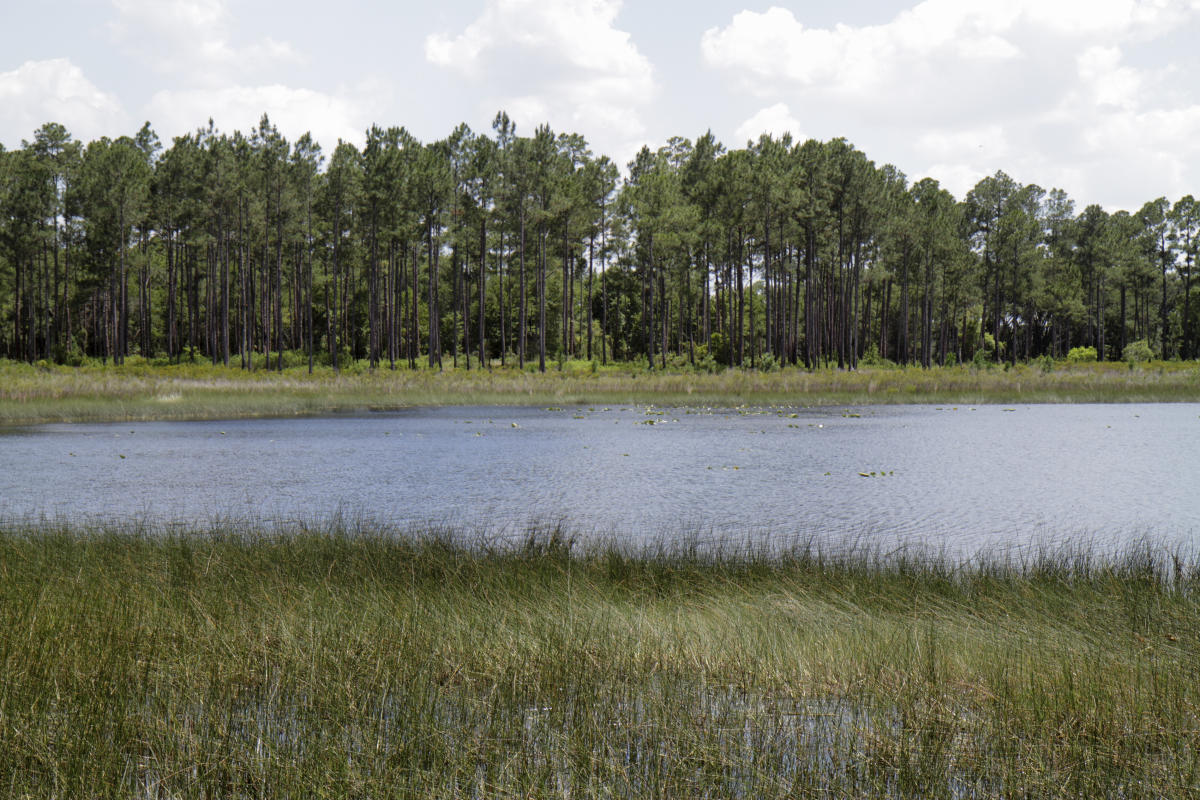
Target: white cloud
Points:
x,y
212,72
1105,80
56,90
576,70
775,120
1123,18
960,88
940,143
774,45
293,111
578,33
192,38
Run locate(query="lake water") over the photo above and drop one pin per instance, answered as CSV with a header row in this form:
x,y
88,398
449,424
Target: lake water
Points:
x,y
959,477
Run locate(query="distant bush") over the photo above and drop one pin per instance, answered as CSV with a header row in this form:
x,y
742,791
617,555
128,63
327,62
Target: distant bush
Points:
x,y
871,358
68,353
985,356
720,349
1045,363
990,346
705,361
1081,355
768,363
1137,352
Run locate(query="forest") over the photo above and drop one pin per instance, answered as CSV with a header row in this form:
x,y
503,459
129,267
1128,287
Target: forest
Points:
x,y
504,248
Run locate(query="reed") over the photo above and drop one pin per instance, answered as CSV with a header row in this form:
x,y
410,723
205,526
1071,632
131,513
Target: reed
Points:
x,y
347,659
138,391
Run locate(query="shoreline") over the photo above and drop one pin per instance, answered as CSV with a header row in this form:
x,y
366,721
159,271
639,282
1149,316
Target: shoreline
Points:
x,y
140,392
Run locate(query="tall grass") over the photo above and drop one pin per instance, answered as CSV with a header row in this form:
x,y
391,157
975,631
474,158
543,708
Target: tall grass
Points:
x,y
352,661
138,391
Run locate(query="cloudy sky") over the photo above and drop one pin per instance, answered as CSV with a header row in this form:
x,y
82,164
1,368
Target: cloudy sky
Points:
x,y
1098,97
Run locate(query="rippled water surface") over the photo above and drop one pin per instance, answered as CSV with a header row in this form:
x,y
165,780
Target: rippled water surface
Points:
x,y
961,476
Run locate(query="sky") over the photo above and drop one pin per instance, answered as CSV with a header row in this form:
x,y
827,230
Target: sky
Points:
x,y
1100,98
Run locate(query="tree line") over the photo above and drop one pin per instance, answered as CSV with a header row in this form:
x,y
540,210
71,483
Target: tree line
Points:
x,y
480,248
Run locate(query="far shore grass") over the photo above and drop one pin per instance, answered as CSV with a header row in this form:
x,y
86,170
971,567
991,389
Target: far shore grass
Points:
x,y
140,391
347,660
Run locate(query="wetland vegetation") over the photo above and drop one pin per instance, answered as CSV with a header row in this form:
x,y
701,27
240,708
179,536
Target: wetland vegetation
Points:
x,y
349,660
144,391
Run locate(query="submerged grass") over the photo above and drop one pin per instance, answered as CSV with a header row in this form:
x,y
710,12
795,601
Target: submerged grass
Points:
x,y
354,661
138,391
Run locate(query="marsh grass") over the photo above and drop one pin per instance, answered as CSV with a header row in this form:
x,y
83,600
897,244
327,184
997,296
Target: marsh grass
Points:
x,y
350,660
138,391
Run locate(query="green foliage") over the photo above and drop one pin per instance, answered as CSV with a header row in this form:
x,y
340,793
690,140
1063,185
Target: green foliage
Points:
x,y
365,251
1137,352
989,345
706,363
298,661
1082,355
871,358
1045,364
720,349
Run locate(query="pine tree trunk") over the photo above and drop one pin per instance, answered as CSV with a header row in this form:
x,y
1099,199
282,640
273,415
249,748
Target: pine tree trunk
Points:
x,y
591,256
522,304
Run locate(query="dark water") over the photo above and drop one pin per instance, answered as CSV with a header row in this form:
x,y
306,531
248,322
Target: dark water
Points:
x,y
964,477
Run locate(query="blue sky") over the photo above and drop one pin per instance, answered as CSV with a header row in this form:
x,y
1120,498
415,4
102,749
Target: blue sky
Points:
x,y
1098,97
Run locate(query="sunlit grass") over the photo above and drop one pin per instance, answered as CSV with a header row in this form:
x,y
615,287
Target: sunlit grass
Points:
x,y
351,660
138,391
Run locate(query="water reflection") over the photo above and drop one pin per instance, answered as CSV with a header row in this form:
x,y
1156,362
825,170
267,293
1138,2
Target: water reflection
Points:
x,y
960,476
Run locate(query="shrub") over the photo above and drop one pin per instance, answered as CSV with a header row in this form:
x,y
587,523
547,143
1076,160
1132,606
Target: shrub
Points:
x,y
871,358
720,349
675,362
705,361
1137,352
708,364
768,363
1081,355
69,354
292,358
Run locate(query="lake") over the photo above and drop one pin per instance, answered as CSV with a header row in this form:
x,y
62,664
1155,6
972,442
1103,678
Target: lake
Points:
x,y
961,477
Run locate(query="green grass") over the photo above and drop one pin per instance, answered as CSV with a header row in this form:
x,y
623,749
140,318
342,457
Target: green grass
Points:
x,y
138,391
353,661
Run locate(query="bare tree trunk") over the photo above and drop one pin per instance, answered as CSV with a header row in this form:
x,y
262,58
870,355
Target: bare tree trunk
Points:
x,y
225,297
521,307
541,290
482,291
